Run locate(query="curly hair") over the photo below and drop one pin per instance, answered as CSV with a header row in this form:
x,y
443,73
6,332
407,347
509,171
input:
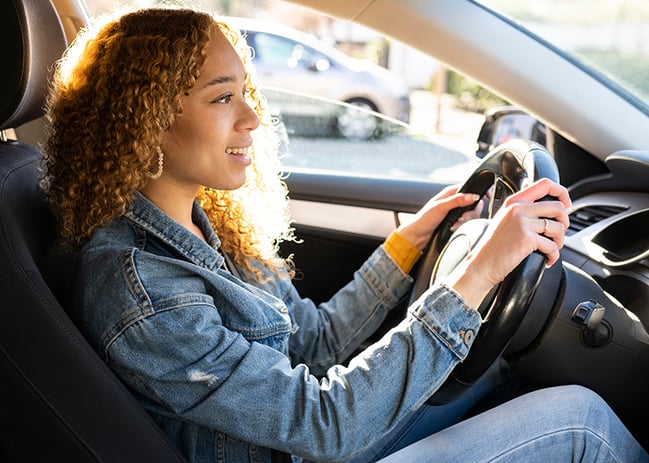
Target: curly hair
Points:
x,y
114,94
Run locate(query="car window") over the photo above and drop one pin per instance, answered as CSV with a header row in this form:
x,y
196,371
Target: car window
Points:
x,y
275,50
324,135
354,124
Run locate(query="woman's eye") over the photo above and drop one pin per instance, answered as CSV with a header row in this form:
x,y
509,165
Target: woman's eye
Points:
x,y
225,99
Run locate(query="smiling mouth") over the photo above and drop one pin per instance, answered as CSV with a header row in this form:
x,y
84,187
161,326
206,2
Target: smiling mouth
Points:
x,y
237,150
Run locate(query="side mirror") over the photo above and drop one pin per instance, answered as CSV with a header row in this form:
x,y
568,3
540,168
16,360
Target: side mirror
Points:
x,y
504,123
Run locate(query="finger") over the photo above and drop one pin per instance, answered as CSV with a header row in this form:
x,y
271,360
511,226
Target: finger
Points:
x,y
464,199
446,192
470,215
549,238
550,249
457,200
551,229
458,223
476,212
540,189
553,211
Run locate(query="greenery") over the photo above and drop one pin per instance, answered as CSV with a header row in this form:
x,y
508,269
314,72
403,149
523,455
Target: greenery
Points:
x,y
470,95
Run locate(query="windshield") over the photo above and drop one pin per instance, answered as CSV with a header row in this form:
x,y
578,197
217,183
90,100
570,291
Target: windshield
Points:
x,y
610,37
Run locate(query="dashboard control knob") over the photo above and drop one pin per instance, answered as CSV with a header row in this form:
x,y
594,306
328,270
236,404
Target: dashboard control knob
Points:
x,y
596,332
588,314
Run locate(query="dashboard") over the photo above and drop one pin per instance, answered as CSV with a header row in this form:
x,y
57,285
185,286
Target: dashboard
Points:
x,y
609,233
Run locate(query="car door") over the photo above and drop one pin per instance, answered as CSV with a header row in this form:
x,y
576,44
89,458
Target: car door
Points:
x,y
347,194
341,219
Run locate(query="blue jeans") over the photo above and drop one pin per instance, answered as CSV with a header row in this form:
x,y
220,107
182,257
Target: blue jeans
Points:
x,y
430,419
559,424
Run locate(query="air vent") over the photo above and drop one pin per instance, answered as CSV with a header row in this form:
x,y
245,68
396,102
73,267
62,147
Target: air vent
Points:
x,y
589,215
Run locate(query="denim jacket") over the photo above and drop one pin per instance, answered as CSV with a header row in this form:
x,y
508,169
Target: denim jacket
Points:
x,y
231,369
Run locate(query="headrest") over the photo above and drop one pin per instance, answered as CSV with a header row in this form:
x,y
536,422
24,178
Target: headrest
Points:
x,y
32,40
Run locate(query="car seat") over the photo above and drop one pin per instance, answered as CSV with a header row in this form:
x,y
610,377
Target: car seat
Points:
x,y
58,399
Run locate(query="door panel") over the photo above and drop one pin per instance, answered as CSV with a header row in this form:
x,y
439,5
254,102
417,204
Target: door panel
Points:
x,y
341,219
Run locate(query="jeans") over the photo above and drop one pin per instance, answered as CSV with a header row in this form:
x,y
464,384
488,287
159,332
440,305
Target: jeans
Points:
x,y
559,424
430,419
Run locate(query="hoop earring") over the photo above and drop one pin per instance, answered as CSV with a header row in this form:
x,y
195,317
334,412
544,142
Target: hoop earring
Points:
x,y
156,175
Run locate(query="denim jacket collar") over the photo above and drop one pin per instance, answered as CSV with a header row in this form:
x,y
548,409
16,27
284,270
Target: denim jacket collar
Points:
x,y
150,218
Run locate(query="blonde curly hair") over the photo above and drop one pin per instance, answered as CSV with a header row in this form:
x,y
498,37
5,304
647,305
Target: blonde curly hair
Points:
x,y
114,94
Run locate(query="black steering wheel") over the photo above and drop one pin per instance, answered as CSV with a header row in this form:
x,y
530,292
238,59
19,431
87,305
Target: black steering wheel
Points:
x,y
502,172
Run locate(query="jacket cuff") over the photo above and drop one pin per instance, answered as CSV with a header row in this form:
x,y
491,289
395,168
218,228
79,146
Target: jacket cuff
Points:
x,y
449,318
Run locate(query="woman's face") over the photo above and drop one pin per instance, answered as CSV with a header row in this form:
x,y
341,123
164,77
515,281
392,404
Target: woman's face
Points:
x,y
208,143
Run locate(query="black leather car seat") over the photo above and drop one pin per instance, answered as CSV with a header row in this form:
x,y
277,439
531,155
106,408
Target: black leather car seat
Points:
x,y
58,400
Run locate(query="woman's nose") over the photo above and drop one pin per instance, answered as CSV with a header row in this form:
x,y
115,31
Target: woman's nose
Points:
x,y
248,119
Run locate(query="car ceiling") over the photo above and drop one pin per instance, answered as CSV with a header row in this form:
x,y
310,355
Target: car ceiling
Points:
x,y
468,38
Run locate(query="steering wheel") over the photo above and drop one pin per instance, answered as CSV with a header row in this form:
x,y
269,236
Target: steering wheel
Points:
x,y
503,171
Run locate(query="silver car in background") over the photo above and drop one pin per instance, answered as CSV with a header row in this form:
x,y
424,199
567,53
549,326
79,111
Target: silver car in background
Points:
x,y
290,59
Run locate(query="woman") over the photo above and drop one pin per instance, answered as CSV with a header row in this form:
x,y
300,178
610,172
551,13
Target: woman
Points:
x,y
161,166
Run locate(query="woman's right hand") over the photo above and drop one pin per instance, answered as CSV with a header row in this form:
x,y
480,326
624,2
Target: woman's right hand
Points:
x,y
520,227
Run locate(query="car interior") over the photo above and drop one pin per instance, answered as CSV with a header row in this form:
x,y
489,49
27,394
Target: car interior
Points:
x,y
57,393
585,324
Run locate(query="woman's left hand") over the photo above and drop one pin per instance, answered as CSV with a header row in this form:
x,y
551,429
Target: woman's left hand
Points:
x,y
429,217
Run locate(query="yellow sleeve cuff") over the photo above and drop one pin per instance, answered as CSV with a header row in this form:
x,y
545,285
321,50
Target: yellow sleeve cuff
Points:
x,y
404,253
